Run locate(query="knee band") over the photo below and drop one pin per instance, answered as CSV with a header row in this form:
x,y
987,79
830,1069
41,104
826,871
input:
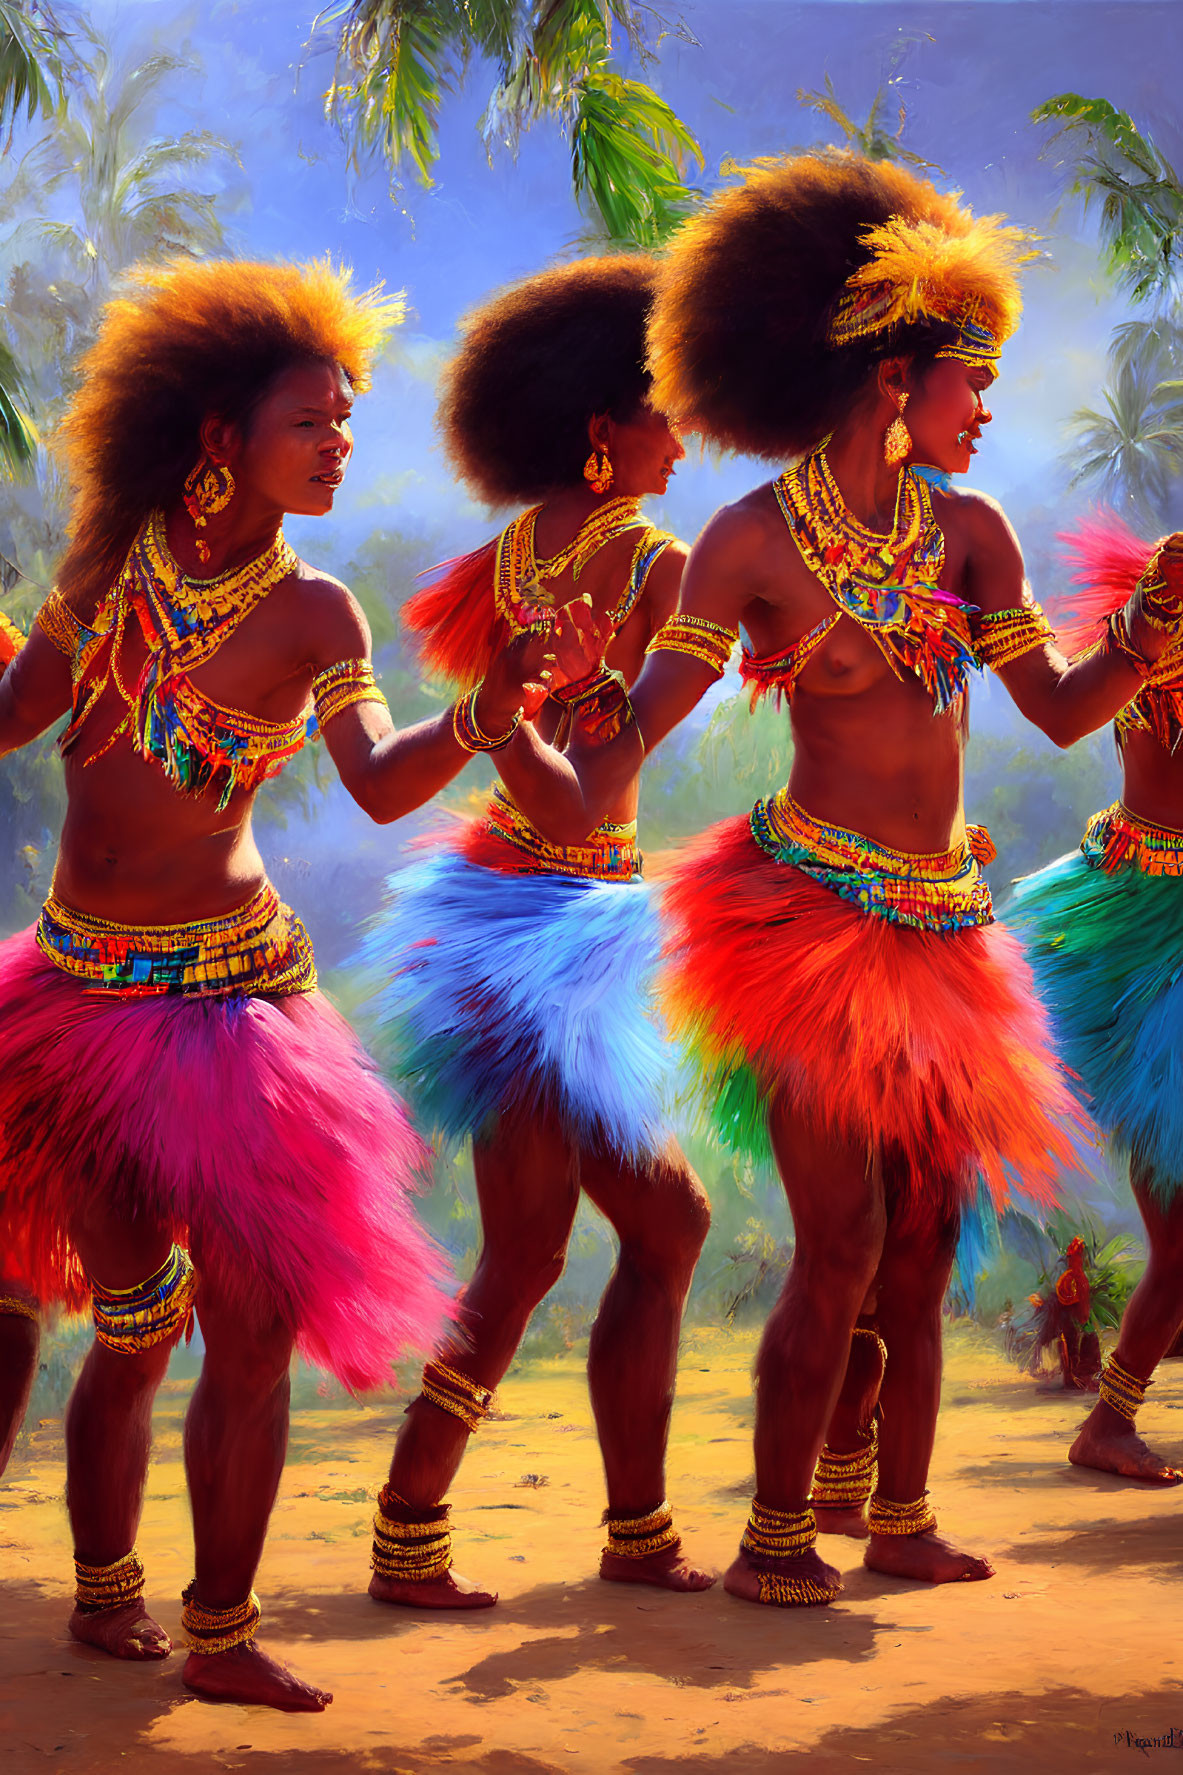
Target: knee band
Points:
x,y
129,1320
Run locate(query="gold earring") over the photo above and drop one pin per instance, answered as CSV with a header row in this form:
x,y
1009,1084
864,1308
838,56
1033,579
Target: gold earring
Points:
x,y
209,488
598,475
898,439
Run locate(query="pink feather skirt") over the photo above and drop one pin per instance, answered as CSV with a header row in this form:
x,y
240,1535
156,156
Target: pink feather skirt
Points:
x,y
256,1130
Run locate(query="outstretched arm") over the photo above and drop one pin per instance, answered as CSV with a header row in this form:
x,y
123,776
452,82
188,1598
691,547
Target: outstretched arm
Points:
x,y
35,690
1066,701
388,771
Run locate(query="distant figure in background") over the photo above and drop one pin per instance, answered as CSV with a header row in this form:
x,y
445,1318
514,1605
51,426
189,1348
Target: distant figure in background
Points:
x,y
517,965
834,966
185,1123
1104,931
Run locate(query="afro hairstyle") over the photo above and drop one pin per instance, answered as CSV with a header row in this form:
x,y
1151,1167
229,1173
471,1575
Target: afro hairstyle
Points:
x,y
534,364
185,341
738,337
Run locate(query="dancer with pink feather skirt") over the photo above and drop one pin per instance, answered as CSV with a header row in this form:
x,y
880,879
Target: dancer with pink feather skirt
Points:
x,y
186,1125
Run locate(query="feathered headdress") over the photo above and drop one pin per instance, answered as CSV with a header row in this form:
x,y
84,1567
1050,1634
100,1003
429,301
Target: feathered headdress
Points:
x,y
965,277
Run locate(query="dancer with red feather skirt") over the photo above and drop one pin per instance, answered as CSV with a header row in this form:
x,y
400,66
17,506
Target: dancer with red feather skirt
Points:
x,y
834,967
1104,930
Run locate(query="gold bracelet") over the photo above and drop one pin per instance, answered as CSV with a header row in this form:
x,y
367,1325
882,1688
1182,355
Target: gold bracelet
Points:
x,y
706,641
468,731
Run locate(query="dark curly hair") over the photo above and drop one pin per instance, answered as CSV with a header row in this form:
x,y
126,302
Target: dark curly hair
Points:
x,y
737,341
185,341
535,363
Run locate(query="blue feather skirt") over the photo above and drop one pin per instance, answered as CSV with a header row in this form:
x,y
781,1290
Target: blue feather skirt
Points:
x,y
1107,953
497,992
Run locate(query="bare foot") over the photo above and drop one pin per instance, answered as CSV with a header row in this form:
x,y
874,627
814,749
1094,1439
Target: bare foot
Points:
x,y
248,1674
1108,1442
449,1592
752,1583
670,1570
926,1557
833,1519
128,1632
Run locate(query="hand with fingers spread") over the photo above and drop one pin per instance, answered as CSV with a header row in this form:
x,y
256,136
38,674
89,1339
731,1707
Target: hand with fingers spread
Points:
x,y
518,681
578,641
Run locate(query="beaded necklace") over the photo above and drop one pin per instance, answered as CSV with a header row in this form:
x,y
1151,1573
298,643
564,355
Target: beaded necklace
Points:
x,y
886,584
520,576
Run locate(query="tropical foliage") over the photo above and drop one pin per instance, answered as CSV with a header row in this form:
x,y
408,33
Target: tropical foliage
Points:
x,y
1131,447
555,60
873,138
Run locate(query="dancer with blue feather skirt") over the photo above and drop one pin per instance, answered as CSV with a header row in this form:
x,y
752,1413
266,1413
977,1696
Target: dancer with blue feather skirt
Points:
x,y
515,962
1104,928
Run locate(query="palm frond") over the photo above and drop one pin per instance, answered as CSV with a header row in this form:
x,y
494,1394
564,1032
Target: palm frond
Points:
x,y
18,437
30,64
628,153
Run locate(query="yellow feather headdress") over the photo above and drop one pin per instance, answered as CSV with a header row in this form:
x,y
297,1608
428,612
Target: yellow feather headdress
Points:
x,y
926,271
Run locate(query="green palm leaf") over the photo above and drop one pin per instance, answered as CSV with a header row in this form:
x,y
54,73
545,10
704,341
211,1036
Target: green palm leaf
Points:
x,y
30,65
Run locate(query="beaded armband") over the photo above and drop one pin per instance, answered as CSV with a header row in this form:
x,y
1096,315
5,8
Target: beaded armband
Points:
x,y
456,1393
1122,1391
844,1481
19,1308
1162,608
338,687
128,1320
11,640
887,1518
98,1588
600,706
702,639
413,1552
638,1537
218,1630
773,1540
468,731
58,624
1006,635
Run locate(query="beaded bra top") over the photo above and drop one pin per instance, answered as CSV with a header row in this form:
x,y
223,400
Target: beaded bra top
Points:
x,y
480,601
888,585
200,745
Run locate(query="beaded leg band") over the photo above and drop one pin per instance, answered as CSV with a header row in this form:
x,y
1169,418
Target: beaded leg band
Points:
x,y
98,1588
639,1537
774,1541
456,1393
19,1307
128,1320
218,1630
412,1552
845,1481
888,1518
1122,1391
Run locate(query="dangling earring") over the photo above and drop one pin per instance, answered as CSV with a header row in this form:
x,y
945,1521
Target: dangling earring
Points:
x,y
898,439
209,488
598,475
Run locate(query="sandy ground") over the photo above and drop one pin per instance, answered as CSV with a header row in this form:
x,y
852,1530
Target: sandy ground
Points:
x,y
1066,1659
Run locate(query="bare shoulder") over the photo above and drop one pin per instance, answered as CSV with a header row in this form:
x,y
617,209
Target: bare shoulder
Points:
x,y
744,529
976,517
332,624
663,583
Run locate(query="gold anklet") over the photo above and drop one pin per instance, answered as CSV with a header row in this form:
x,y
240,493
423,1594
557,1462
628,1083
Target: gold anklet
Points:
x,y
783,1537
98,1588
412,1552
456,1393
888,1518
21,1309
211,1631
637,1537
1122,1391
844,1481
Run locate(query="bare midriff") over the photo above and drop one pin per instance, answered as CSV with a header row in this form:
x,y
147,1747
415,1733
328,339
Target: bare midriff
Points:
x,y
1152,780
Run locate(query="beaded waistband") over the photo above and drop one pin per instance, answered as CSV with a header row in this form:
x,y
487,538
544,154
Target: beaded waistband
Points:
x,y
609,854
1116,839
261,947
933,891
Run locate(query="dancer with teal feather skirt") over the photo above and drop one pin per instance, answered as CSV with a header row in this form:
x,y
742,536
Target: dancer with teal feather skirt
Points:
x,y
1104,928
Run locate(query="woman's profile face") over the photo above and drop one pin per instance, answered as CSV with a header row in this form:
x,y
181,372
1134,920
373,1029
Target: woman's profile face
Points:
x,y
293,450
945,413
644,451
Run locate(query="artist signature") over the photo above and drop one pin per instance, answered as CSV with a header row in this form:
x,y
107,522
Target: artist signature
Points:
x,y
1169,1740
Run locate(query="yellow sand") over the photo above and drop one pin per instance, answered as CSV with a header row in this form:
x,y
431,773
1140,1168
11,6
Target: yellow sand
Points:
x,y
1045,1668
